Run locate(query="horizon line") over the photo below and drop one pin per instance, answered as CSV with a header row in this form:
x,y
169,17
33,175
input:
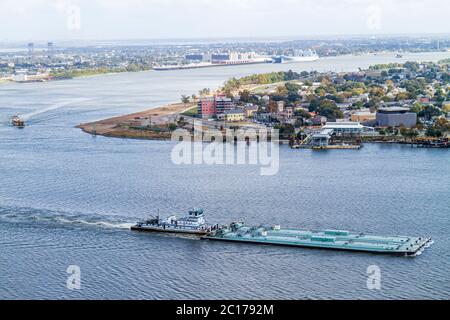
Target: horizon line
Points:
x,y
275,38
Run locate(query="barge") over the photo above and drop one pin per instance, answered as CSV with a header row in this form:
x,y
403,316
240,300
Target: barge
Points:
x,y
329,239
193,224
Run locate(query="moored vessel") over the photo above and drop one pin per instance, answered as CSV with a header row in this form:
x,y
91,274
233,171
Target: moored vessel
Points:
x,y
225,63
298,56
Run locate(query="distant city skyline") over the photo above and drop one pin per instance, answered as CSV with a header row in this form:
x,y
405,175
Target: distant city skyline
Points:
x,y
28,20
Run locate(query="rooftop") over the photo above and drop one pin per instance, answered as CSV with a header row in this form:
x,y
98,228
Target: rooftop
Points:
x,y
339,125
235,111
394,110
325,133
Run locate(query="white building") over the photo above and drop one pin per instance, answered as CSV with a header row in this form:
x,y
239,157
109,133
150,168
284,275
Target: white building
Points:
x,y
347,127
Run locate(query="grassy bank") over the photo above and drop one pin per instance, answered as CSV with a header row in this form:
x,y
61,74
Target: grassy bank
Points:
x,y
69,74
192,112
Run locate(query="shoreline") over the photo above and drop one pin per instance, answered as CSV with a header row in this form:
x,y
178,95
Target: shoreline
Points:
x,y
79,76
149,124
8,81
130,126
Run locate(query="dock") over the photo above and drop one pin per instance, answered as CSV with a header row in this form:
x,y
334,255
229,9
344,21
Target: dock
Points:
x,y
329,239
334,136
338,147
432,143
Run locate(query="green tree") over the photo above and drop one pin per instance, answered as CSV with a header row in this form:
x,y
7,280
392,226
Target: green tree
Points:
x,y
245,96
172,126
289,130
292,87
433,133
442,124
302,113
430,111
204,92
409,133
282,91
185,99
328,108
417,108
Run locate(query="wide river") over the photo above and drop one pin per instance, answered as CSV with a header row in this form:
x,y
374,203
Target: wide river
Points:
x,y
67,198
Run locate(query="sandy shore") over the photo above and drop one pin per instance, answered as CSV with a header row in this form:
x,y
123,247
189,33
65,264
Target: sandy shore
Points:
x,y
127,126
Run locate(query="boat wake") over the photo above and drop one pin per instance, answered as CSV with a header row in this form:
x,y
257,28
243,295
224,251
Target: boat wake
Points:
x,y
32,216
29,116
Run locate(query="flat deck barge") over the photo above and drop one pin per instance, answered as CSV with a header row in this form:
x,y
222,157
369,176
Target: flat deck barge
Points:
x,y
329,239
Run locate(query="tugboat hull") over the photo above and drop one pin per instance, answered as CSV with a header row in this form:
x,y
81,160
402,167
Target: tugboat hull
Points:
x,y
169,230
194,224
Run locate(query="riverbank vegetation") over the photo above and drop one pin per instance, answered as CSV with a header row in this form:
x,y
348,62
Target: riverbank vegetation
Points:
x,y
74,73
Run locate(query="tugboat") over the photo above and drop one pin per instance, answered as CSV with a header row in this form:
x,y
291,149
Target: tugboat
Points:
x,y
193,224
17,122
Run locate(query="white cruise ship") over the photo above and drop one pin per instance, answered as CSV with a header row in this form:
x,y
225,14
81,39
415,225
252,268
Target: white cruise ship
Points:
x,y
299,56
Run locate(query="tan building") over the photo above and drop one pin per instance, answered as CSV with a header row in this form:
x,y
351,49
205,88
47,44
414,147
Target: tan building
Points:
x,y
363,116
250,110
234,115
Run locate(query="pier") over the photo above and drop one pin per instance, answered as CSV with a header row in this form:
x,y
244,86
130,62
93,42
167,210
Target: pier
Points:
x,y
335,136
432,143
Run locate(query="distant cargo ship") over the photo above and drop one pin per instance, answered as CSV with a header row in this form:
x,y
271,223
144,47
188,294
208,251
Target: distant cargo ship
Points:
x,y
224,63
17,122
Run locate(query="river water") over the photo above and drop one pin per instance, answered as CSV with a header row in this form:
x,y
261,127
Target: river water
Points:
x,y
67,198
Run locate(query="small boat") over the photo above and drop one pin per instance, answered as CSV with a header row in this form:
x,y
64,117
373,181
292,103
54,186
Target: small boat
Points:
x,y
17,122
399,56
193,224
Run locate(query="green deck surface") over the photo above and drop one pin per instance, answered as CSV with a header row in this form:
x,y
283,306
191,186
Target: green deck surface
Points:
x,y
329,239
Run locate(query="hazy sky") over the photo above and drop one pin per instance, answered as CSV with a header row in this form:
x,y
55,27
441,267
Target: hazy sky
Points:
x,y
149,19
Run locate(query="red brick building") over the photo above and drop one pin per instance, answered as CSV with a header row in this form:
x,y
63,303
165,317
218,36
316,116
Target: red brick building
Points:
x,y
211,106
